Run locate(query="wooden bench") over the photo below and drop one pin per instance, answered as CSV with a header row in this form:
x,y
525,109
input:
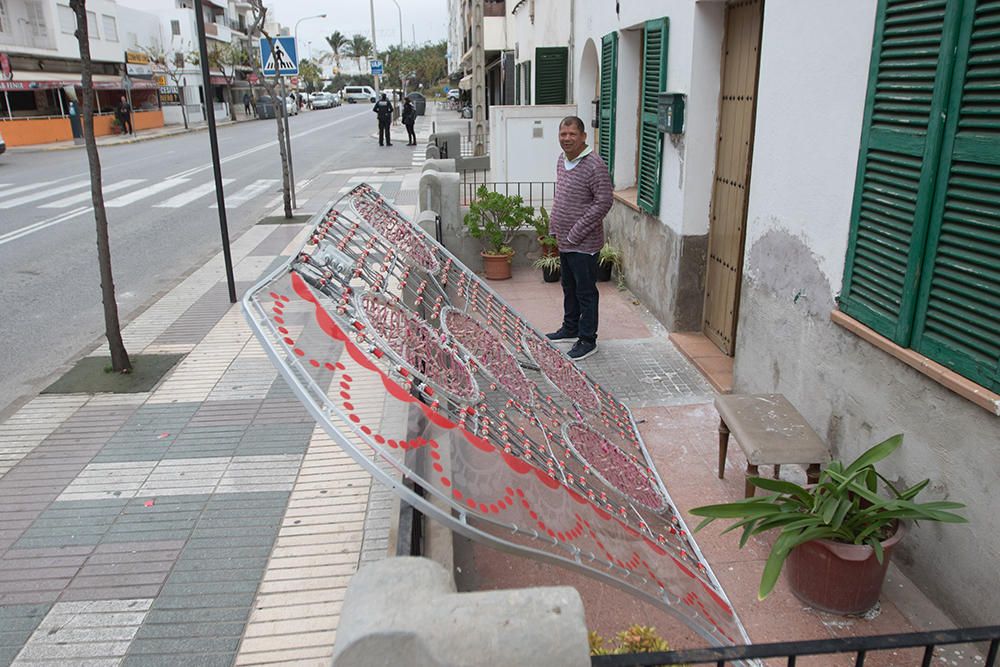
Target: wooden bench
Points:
x,y
770,431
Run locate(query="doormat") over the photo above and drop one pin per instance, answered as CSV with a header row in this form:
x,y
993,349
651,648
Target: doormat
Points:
x,y
93,375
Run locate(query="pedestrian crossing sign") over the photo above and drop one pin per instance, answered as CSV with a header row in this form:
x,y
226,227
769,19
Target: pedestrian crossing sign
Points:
x,y
283,59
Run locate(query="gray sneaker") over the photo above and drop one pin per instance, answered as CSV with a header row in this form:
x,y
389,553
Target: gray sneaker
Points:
x,y
582,349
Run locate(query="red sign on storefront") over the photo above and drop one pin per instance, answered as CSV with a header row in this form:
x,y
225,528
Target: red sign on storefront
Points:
x,y
5,71
295,82
252,78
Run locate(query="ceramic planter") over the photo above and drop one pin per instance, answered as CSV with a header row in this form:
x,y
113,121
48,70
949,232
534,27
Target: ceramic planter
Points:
x,y
837,577
551,275
496,267
603,272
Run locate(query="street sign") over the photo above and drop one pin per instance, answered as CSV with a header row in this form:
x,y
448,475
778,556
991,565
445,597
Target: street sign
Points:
x,y
376,67
5,71
283,60
126,83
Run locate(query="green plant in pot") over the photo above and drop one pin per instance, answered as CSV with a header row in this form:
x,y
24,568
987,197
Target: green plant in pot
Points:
x,y
610,261
550,267
494,218
547,242
835,536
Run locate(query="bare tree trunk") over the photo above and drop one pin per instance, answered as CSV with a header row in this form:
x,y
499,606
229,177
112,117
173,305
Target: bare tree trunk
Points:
x,y
184,110
120,362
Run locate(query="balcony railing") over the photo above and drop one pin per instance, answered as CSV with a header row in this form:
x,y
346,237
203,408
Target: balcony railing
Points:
x,y
922,645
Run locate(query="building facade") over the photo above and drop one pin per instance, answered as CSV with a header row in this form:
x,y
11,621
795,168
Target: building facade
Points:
x,y
821,202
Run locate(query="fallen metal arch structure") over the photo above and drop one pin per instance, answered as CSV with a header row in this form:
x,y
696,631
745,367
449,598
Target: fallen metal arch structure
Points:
x,y
524,451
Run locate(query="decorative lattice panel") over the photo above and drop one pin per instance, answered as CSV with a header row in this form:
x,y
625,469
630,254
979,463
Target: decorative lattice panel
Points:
x,y
529,454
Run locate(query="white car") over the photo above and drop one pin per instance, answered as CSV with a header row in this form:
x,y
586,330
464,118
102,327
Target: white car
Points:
x,y
324,101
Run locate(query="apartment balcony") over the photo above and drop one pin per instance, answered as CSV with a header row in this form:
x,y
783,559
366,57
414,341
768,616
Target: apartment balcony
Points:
x,y
219,32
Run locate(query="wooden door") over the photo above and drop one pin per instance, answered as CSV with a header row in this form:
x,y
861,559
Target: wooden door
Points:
x,y
730,190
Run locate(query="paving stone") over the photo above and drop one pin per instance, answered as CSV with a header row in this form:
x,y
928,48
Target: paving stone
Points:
x,y
202,601
188,660
180,630
205,615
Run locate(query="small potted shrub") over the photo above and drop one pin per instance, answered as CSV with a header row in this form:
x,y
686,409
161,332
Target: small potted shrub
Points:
x,y
550,266
609,260
547,242
493,218
836,535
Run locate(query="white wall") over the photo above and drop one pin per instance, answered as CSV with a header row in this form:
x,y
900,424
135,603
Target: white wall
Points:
x,y
62,44
145,26
550,28
809,114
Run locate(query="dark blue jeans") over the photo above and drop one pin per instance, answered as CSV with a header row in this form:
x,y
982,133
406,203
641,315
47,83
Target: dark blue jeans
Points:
x,y
580,296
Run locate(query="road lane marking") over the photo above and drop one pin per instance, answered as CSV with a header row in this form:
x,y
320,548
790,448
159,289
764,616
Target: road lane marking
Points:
x,y
26,199
185,198
84,197
138,195
25,188
248,193
38,226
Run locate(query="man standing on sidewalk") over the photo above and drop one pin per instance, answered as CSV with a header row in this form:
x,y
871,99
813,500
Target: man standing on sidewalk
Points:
x,y
384,110
124,113
582,199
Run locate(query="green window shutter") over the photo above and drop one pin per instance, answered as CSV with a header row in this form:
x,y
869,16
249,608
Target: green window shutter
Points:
x,y
550,79
958,314
517,84
654,79
527,83
608,100
900,145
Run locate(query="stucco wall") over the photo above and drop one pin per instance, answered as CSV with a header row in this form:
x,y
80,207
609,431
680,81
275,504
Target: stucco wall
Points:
x,y
814,68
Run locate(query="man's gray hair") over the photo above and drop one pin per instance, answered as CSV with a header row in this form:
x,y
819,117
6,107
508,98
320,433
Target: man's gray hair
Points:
x,y
574,120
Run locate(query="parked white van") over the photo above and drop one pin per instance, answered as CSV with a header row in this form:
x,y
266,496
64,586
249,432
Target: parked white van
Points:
x,y
352,94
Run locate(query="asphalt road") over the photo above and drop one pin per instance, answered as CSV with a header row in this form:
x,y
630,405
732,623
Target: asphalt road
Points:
x,y
160,195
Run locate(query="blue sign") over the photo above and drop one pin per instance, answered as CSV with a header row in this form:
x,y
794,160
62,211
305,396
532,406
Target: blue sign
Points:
x,y
284,59
376,67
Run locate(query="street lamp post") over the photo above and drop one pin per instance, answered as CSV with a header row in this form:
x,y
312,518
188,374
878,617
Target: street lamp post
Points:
x,y
284,102
400,24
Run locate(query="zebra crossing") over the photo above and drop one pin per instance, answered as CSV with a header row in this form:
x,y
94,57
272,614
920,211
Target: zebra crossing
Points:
x,y
171,193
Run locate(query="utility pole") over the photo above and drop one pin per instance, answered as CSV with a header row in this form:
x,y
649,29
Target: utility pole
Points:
x,y
478,78
213,139
371,6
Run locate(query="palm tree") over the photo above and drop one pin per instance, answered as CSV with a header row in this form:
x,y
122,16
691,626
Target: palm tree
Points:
x,y
337,42
359,47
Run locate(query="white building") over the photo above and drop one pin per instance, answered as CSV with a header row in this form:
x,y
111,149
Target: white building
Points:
x,y
865,288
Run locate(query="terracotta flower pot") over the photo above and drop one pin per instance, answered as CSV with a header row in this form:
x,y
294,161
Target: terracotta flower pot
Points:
x,y
837,577
548,250
496,267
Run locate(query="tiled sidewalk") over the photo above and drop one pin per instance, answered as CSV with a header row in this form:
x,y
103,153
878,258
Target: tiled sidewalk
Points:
x,y
207,522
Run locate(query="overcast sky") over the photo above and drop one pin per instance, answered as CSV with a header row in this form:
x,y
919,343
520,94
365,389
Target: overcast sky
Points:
x,y
427,20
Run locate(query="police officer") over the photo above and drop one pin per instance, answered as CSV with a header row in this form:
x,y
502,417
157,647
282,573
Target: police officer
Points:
x,y
384,110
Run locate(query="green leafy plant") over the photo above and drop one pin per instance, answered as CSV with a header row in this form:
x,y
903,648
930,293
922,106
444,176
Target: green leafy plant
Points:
x,y
493,218
634,639
547,263
541,223
610,256
844,506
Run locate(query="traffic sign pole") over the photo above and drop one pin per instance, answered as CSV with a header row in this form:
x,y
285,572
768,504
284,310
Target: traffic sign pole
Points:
x,y
288,141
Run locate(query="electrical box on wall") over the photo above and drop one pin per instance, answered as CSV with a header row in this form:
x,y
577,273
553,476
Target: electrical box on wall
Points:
x,y
671,113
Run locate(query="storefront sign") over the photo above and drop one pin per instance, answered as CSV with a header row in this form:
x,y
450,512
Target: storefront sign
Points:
x,y
49,85
137,65
6,73
170,96
160,79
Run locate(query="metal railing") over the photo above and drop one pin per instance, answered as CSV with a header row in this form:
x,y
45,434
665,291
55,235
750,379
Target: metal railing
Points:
x,y
534,193
789,651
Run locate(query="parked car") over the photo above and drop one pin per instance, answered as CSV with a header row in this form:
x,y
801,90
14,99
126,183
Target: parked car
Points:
x,y
454,93
3,146
352,94
324,101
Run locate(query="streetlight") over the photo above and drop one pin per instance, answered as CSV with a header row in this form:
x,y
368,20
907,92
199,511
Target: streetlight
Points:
x,y
400,24
284,101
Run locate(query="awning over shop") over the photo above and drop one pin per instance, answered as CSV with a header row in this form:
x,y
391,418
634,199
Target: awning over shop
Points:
x,y
465,83
50,80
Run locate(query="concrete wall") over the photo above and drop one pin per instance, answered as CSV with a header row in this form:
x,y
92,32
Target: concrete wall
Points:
x,y
815,57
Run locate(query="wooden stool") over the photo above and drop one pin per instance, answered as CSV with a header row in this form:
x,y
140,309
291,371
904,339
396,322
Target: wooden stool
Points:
x,y
770,431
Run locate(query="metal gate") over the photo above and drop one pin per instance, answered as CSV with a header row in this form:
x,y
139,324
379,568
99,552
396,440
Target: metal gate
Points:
x,y
727,229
